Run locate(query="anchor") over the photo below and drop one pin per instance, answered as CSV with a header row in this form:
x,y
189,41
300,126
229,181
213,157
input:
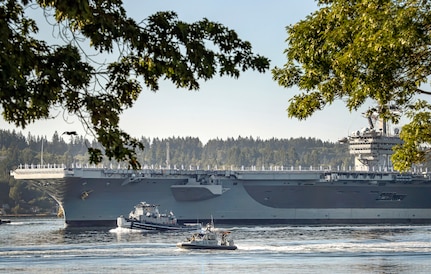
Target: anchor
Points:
x,y
85,194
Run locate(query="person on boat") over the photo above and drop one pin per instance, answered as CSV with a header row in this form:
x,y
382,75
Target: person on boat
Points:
x,y
223,238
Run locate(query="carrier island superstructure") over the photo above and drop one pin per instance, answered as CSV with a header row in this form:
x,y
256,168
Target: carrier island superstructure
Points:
x,y
369,193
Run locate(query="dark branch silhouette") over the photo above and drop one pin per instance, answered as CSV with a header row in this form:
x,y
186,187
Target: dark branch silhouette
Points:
x,y
70,133
424,91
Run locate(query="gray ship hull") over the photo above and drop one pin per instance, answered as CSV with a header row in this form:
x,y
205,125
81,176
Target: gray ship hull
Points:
x,y
96,197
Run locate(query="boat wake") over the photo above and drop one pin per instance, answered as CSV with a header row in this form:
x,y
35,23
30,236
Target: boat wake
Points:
x,y
123,230
345,249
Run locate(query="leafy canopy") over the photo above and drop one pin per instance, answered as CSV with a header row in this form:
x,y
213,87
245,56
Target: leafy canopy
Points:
x,y
36,77
356,50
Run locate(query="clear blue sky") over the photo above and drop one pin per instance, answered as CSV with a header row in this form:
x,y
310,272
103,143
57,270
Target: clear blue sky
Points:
x,y
253,105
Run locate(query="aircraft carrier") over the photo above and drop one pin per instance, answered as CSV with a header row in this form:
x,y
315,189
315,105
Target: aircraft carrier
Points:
x,y
369,193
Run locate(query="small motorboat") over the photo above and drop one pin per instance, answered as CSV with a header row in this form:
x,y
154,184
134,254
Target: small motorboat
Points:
x,y
4,221
147,217
209,239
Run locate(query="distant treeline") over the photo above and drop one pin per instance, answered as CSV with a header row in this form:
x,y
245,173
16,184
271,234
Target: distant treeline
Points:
x,y
16,149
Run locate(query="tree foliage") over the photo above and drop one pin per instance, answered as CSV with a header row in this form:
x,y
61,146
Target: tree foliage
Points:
x,y
356,50
36,76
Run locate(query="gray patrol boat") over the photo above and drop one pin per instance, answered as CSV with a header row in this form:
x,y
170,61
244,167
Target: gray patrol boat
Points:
x,y
370,193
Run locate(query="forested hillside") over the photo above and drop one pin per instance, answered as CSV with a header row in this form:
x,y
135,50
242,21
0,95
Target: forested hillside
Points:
x,y
15,149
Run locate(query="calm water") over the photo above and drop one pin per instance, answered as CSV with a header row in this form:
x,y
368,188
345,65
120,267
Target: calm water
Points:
x,y
43,245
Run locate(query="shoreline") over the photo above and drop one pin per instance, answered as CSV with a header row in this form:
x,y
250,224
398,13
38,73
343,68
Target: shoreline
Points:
x,y
27,215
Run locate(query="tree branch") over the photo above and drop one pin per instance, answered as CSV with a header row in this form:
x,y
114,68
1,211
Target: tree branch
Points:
x,y
421,91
